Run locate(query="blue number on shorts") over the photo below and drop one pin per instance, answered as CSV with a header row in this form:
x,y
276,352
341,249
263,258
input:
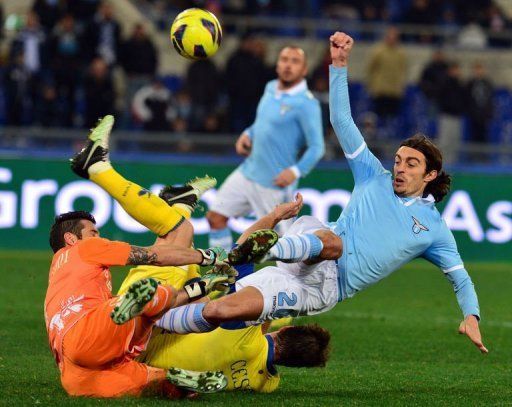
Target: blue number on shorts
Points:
x,y
282,297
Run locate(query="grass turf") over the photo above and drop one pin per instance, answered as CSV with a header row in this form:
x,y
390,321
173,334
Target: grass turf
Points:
x,y
394,344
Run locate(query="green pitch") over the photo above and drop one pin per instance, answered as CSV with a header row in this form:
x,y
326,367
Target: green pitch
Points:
x,y
394,344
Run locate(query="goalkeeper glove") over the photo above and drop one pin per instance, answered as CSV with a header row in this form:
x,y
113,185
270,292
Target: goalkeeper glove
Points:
x,y
213,256
208,283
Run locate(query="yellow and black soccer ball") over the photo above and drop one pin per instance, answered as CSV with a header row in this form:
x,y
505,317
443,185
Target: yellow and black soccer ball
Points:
x,y
196,33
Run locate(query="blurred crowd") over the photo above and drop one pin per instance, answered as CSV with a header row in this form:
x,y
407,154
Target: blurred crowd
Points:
x,y
63,67
481,22
443,103
62,71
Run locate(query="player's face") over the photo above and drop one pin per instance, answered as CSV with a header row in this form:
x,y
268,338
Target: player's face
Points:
x,y
89,230
410,178
291,66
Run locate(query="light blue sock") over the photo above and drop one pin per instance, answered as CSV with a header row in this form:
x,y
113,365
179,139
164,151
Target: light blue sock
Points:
x,y
221,238
296,248
185,319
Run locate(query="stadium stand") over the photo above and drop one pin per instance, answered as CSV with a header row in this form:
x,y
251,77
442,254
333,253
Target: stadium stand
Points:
x,y
274,24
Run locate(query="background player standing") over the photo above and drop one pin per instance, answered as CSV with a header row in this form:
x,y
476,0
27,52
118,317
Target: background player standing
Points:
x,y
288,119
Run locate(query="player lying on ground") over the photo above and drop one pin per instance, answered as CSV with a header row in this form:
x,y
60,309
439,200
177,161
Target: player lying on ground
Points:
x,y
94,354
247,356
390,220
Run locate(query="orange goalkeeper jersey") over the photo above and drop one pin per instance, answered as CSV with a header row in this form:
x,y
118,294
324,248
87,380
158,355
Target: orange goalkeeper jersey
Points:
x,y
79,281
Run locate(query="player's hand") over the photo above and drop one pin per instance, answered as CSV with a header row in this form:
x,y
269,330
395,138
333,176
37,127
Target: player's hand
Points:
x,y
216,282
341,45
285,178
288,210
226,269
208,283
213,256
470,328
243,145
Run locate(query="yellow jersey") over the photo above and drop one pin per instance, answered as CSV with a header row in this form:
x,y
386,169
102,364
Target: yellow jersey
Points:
x,y
245,356
169,275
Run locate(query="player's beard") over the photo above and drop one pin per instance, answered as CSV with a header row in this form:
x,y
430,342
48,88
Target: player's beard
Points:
x,y
287,84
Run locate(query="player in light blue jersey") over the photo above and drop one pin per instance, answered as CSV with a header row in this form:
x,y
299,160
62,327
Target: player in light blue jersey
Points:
x,y
288,120
390,220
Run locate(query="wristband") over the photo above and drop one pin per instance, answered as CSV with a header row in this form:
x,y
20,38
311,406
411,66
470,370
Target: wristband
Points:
x,y
195,290
209,257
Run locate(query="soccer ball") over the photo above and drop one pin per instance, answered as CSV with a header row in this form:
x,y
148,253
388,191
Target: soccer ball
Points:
x,y
196,33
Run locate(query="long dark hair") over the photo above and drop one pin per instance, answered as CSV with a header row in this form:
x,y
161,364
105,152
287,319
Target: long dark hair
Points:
x,y
67,222
440,186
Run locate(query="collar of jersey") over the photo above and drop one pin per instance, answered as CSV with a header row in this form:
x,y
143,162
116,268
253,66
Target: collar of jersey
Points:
x,y
270,356
294,90
428,200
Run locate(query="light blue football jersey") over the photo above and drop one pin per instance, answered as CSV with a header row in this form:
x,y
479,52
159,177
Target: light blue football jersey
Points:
x,y
380,230
286,124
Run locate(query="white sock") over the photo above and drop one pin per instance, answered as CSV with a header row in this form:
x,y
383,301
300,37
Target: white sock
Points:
x,y
98,167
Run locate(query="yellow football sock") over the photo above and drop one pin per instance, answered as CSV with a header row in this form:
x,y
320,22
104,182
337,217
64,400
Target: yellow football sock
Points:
x,y
148,209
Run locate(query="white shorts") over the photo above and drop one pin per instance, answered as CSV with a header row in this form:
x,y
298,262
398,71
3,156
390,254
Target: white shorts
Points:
x,y
239,196
288,294
294,289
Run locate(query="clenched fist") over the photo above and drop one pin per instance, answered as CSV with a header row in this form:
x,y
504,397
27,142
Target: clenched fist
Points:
x,y
341,45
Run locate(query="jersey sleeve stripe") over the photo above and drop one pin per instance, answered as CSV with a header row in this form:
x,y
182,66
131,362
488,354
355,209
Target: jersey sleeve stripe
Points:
x,y
449,270
356,153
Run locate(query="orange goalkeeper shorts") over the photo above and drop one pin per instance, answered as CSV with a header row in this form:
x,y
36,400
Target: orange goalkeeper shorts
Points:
x,y
98,356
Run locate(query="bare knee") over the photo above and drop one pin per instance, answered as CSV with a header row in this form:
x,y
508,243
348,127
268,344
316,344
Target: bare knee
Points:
x,y
332,245
216,220
216,312
183,235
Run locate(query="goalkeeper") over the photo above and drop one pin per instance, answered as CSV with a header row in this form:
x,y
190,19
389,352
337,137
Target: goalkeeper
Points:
x,y
94,336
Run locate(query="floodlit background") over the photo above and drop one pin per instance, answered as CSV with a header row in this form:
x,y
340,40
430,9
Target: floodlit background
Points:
x,y
64,63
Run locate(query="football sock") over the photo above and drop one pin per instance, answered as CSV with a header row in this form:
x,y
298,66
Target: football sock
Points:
x,y
160,303
296,248
184,209
185,319
221,238
142,205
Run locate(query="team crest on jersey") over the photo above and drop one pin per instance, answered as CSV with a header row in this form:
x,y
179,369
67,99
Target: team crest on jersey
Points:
x,y
418,227
284,109
71,305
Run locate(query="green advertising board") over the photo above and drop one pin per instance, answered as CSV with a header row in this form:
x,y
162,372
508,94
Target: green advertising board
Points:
x,y
478,210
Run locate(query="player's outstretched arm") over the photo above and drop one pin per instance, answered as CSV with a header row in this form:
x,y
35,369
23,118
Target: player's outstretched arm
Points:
x,y
346,131
470,327
171,255
444,254
281,212
362,162
468,302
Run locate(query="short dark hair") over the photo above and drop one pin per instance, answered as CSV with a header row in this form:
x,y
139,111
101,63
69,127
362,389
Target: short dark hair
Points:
x,y
303,346
440,186
67,222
